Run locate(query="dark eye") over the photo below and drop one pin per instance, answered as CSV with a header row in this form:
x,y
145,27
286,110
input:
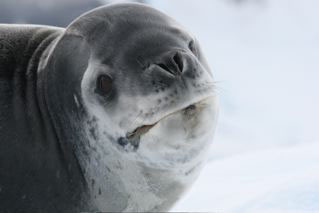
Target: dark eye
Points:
x,y
192,47
104,84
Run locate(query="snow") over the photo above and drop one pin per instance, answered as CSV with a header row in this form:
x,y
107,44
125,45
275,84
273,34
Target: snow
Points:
x,y
264,55
284,179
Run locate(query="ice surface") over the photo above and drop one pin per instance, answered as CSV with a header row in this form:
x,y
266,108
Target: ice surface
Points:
x,y
284,179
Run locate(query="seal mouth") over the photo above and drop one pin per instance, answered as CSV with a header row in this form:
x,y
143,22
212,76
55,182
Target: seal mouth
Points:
x,y
142,130
133,137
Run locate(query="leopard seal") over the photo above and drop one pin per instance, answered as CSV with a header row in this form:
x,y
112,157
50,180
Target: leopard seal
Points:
x,y
113,113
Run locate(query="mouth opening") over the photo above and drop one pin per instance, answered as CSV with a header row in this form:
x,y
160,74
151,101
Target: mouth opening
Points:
x,y
141,130
133,138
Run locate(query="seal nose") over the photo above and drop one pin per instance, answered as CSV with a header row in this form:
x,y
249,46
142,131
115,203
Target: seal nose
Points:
x,y
172,63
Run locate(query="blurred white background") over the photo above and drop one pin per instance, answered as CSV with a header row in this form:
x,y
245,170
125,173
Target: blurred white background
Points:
x,y
264,56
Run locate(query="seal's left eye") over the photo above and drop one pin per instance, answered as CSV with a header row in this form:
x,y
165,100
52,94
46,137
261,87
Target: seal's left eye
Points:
x,y
104,84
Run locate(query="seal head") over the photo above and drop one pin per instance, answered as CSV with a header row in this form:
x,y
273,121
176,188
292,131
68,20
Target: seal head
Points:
x,y
132,92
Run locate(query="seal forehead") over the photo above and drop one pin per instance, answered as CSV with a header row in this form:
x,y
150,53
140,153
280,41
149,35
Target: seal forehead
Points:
x,y
111,30
115,15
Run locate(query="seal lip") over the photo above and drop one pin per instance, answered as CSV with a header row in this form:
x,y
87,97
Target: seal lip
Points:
x,y
143,129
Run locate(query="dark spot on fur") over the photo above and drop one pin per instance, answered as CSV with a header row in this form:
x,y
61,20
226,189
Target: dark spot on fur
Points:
x,y
123,141
100,191
93,133
94,119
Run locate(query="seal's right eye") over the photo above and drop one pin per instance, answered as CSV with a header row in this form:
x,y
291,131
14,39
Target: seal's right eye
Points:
x,y
191,46
104,84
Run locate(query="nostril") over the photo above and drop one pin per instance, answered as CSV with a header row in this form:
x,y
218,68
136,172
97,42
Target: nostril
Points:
x,y
172,63
178,61
164,67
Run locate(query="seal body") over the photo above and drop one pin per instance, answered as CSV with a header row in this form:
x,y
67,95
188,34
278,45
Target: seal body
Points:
x,y
37,173
113,113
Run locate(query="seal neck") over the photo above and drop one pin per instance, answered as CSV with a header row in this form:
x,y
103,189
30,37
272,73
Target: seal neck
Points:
x,y
35,83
